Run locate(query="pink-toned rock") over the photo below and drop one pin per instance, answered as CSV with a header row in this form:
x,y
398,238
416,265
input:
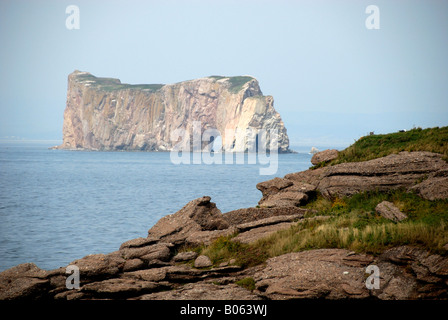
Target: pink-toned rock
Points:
x,y
202,262
435,186
389,211
395,171
105,114
24,281
322,273
324,156
197,215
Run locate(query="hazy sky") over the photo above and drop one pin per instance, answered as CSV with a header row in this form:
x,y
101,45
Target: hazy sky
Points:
x,y
332,79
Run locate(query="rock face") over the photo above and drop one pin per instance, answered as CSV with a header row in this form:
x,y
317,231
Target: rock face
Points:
x,y
435,186
423,172
104,114
404,273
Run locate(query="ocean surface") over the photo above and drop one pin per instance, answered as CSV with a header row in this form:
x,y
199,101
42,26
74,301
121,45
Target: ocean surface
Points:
x,y
57,206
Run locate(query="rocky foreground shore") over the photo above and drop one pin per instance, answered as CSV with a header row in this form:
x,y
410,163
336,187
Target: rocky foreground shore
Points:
x,y
161,266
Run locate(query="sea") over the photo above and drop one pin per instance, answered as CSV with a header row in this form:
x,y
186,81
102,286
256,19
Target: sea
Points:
x,y
57,206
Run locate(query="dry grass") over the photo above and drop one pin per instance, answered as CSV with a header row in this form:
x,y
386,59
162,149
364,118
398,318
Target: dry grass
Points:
x,y
352,224
372,239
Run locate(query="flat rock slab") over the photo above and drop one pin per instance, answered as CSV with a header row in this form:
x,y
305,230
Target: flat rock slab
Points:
x,y
203,291
256,234
324,156
160,251
138,242
99,265
185,256
273,185
284,199
237,217
268,221
389,211
208,236
121,288
254,231
323,273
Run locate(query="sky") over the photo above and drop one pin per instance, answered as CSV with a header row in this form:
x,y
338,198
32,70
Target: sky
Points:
x,y
333,80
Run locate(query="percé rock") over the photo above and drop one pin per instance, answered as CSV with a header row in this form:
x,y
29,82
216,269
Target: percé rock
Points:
x,y
104,114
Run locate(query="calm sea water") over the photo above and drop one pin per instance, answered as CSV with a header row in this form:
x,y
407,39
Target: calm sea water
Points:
x,y
57,206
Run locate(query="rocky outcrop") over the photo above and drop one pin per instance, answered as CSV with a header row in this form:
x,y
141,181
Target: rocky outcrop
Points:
x,y
435,186
422,172
198,215
164,265
390,211
404,273
324,156
202,262
284,193
145,268
104,114
403,170
411,273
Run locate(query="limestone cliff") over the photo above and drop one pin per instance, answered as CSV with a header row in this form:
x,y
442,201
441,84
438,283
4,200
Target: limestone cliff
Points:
x,y
104,114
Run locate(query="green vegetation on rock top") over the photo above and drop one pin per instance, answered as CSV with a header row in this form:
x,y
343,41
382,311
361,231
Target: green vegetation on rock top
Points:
x,y
112,84
236,83
377,146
